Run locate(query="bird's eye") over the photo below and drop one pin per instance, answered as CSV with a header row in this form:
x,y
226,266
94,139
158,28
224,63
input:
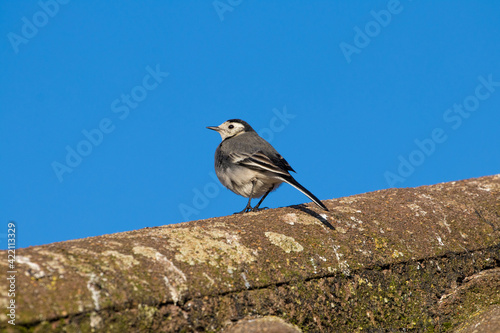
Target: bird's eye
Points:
x,y
230,126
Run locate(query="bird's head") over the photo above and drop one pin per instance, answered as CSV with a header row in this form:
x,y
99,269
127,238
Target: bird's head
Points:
x,y
232,128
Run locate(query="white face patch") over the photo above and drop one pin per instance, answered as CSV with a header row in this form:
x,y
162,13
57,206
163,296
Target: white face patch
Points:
x,y
228,129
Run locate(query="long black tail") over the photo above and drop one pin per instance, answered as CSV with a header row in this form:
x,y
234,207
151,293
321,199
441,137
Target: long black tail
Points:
x,y
290,180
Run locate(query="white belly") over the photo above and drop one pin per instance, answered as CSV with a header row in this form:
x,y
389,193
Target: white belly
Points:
x,y
240,180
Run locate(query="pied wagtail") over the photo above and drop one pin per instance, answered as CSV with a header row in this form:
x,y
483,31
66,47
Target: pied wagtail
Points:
x,y
249,166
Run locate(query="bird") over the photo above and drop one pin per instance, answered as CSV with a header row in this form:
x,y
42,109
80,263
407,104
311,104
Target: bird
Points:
x,y
249,166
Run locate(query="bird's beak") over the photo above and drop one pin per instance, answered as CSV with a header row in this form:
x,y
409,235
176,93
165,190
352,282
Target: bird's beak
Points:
x,y
215,128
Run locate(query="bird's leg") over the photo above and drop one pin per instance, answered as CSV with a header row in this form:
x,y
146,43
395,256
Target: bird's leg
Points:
x,y
248,207
256,208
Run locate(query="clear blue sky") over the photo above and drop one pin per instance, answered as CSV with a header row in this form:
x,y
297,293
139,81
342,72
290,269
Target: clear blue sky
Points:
x,y
104,104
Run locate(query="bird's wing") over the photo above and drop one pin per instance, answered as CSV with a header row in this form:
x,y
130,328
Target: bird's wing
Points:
x,y
261,162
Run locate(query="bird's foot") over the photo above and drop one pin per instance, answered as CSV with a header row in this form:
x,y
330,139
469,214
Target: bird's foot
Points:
x,y
250,209
245,210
